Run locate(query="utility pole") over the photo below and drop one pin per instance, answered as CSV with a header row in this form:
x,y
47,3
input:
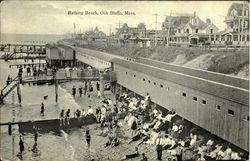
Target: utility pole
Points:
x,y
169,26
109,29
155,28
119,26
109,38
12,129
242,25
74,30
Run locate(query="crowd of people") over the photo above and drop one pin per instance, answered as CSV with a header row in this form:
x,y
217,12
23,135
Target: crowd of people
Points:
x,y
34,71
86,89
148,125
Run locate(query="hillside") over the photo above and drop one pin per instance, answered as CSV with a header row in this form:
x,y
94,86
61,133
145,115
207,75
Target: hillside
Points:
x,y
232,62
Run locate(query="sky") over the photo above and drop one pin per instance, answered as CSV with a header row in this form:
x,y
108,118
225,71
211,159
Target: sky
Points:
x,y
51,17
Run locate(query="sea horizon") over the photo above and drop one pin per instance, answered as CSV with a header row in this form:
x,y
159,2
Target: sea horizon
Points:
x,y
32,38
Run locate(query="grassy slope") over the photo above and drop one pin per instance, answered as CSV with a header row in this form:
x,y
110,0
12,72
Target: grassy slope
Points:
x,y
227,62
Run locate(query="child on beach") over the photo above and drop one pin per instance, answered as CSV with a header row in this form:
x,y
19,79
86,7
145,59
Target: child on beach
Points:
x,y
42,109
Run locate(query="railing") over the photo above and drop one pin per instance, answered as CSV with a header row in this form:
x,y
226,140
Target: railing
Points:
x,y
13,80
77,74
229,18
8,88
109,76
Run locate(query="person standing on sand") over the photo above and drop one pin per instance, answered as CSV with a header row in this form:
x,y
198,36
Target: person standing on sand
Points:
x,y
74,91
97,86
61,117
80,91
88,138
159,149
144,157
99,94
35,135
85,88
21,144
67,116
28,71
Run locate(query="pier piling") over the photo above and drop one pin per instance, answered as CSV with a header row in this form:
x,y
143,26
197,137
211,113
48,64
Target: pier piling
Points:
x,y
56,90
101,84
19,93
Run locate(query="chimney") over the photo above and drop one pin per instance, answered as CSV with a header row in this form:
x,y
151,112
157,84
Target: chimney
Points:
x,y
208,21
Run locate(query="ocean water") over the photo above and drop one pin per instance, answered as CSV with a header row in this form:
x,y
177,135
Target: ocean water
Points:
x,y
29,109
29,38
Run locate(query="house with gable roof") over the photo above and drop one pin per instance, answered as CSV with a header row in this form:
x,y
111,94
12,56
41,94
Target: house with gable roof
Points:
x,y
237,27
187,29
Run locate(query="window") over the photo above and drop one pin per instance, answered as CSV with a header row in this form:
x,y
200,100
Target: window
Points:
x,y
246,118
218,107
161,86
184,94
179,30
187,30
212,37
230,112
204,102
126,73
144,79
235,37
149,81
211,31
154,83
196,30
195,98
168,88
134,75
217,37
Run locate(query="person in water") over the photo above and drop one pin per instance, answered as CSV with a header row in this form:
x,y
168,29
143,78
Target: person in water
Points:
x,y
42,109
88,137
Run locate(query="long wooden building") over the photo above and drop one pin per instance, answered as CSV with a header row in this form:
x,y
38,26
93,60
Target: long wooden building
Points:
x,y
219,107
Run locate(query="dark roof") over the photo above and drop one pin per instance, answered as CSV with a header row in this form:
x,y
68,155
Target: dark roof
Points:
x,y
216,89
213,76
238,7
94,53
58,46
64,46
50,46
181,22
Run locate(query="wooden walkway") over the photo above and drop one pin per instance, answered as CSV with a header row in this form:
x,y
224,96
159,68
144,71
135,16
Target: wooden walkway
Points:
x,y
8,88
58,77
63,76
47,125
24,65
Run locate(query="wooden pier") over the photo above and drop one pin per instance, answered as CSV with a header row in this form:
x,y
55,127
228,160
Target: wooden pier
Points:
x,y
8,88
47,125
24,47
55,78
16,49
24,65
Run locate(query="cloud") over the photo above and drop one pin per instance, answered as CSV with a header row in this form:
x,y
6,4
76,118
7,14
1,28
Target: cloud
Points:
x,y
50,17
